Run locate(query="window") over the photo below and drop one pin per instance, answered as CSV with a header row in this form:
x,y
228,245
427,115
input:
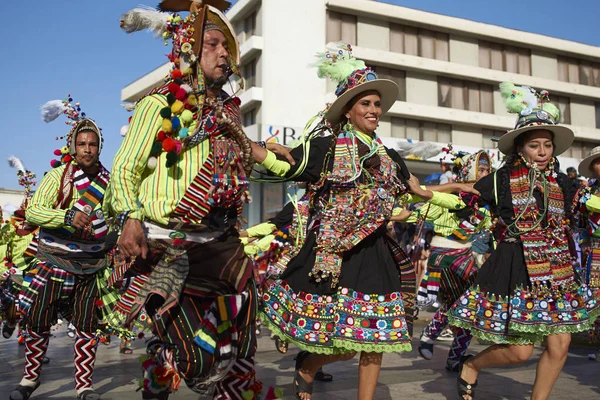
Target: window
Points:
x,y
564,105
419,42
504,58
463,95
249,117
487,136
395,75
249,73
272,199
578,71
420,130
341,27
250,24
597,106
579,149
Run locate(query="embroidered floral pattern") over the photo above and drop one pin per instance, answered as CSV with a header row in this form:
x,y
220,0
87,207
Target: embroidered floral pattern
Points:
x,y
345,321
523,318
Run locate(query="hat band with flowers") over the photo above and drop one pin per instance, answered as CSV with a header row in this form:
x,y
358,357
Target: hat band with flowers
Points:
x,y
356,78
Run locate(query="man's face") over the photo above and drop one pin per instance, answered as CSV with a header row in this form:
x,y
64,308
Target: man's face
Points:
x,y
87,149
572,174
215,58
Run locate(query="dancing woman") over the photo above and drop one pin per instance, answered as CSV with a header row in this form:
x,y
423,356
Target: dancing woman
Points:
x,y
587,218
341,292
527,290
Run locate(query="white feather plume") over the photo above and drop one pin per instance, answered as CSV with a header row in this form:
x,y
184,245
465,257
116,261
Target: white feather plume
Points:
x,y
141,18
52,109
16,163
419,150
128,106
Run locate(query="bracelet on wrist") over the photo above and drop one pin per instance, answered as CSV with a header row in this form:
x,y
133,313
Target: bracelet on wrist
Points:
x,y
69,217
262,144
122,218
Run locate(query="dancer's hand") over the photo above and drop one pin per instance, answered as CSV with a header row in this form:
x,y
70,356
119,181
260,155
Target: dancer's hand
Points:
x,y
132,242
80,220
415,187
467,188
281,151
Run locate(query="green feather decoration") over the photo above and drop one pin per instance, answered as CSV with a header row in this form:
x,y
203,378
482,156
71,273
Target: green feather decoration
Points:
x,y
517,98
552,110
337,63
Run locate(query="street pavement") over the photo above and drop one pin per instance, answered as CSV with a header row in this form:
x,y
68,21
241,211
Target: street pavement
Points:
x,y
403,376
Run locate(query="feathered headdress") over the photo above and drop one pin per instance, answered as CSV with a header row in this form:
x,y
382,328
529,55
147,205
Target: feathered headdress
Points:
x,y
352,77
535,111
523,100
76,119
26,177
337,63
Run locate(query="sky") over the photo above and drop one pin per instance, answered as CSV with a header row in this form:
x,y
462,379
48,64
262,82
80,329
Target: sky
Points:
x,y
55,48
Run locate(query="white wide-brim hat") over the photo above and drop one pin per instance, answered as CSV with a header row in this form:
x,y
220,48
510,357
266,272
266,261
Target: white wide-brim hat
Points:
x,y
388,92
563,138
586,163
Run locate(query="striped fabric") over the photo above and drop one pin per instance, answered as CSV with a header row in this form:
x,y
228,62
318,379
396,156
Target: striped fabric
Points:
x,y
53,290
41,211
158,190
445,223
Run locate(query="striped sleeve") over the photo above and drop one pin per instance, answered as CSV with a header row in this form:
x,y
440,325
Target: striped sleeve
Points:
x,y
40,210
132,157
593,204
447,200
19,245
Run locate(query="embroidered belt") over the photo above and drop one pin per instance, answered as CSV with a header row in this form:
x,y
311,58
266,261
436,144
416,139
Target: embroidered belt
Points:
x,y
154,231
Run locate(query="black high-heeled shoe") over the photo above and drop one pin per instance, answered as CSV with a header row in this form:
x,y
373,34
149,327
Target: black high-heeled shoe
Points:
x,y
300,384
465,388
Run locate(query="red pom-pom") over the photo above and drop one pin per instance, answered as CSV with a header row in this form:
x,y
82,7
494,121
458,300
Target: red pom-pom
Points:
x,y
168,144
176,74
129,119
173,88
67,158
237,101
181,94
99,303
187,106
57,152
161,136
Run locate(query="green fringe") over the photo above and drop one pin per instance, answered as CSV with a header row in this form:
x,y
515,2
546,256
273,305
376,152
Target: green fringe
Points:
x,y
339,346
524,334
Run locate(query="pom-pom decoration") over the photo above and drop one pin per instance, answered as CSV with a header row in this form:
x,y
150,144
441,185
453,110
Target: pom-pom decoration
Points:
x,y
124,130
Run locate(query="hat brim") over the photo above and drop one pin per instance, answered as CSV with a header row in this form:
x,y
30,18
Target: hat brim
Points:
x,y
585,164
387,89
218,18
563,138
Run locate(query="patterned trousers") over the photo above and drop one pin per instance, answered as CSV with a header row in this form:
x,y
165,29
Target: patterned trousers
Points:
x,y
176,330
55,291
462,337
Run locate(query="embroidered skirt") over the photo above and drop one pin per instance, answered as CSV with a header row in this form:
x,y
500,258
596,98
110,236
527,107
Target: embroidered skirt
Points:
x,y
371,309
449,273
502,308
591,276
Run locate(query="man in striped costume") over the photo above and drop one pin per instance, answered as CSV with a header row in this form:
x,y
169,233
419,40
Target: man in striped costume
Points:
x,y
68,208
179,182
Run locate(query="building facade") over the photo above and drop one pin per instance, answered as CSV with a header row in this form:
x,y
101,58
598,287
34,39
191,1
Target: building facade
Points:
x,y
448,70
